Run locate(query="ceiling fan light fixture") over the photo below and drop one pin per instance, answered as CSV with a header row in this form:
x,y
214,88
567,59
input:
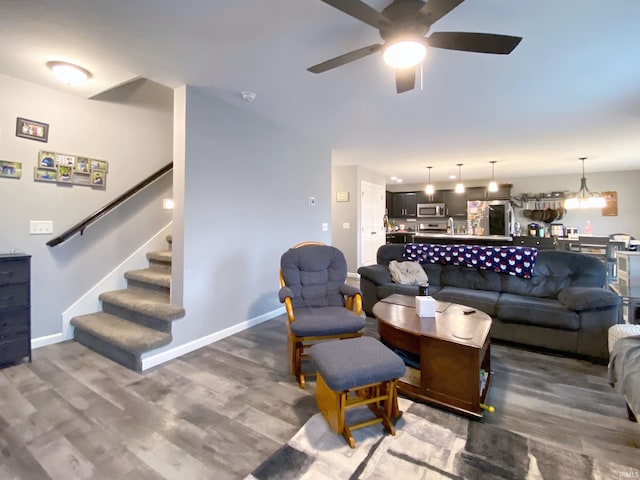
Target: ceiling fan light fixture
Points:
x,y
404,53
68,73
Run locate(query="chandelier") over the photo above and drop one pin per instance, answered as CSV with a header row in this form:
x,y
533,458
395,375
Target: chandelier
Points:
x,y
584,198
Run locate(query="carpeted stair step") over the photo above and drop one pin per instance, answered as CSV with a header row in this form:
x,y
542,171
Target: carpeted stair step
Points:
x,y
118,339
160,260
146,308
148,279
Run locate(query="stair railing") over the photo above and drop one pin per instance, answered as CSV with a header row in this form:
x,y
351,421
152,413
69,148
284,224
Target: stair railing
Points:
x,y
80,226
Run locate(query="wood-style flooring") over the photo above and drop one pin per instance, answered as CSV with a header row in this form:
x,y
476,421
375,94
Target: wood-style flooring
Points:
x,y
218,412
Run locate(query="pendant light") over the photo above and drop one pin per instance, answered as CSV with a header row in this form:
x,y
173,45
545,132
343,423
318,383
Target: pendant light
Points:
x,y
459,185
493,185
429,190
584,198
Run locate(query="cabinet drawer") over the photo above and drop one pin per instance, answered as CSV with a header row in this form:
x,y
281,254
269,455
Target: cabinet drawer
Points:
x,y
14,295
15,349
14,271
15,321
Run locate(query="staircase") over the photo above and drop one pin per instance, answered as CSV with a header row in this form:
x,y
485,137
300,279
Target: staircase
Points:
x,y
134,320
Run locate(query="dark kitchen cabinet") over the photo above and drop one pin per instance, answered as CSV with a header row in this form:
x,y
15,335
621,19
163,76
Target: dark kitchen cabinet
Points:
x,y
400,237
455,204
403,204
15,308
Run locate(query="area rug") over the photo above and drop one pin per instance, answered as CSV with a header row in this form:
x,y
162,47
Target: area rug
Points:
x,y
429,444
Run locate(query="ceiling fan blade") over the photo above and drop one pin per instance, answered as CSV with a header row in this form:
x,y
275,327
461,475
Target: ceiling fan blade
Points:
x,y
474,42
405,79
346,58
361,11
434,10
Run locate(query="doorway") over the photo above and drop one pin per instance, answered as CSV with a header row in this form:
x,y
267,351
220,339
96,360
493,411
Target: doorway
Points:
x,y
372,235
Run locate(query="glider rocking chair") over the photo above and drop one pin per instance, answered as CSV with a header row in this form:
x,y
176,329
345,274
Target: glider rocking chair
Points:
x,y
320,305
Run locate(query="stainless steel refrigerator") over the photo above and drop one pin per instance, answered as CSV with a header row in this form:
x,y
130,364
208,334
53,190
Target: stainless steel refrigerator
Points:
x,y
490,217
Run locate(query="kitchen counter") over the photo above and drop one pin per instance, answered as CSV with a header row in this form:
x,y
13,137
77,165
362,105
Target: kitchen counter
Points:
x,y
463,236
449,239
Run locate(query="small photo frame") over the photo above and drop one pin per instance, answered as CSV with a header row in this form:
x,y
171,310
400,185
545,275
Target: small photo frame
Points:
x,y
44,175
10,169
99,165
98,178
32,130
82,165
47,159
64,174
65,160
81,178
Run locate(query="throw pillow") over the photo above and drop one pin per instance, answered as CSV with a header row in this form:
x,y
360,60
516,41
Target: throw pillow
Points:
x,y
407,273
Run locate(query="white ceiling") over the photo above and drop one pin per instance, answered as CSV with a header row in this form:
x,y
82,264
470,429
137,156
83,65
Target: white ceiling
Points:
x,y
570,89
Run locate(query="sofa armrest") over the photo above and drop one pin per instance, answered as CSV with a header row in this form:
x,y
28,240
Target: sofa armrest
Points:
x,y
587,298
349,290
377,274
284,293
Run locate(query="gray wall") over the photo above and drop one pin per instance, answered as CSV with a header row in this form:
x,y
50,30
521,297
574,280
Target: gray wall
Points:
x,y
349,179
624,183
130,128
241,196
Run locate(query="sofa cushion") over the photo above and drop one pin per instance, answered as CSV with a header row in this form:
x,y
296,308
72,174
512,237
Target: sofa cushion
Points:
x,y
542,312
479,299
587,298
472,278
407,273
555,270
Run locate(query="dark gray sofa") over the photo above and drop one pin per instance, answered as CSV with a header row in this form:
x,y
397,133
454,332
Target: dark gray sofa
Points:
x,y
563,307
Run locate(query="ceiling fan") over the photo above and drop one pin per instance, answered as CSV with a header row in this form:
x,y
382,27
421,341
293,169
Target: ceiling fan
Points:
x,y
406,22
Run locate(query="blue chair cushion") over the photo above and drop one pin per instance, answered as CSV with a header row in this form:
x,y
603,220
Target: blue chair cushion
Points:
x,y
355,362
321,321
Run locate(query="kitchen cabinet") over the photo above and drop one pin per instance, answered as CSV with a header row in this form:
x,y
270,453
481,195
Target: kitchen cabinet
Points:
x,y
403,204
15,308
455,204
398,237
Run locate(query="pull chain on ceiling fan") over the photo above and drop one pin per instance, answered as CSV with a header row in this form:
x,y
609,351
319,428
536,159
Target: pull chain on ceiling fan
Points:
x,y
409,21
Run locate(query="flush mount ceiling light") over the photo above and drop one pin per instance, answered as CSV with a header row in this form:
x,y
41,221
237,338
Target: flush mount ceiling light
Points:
x,y
493,185
248,96
584,198
429,190
404,53
459,185
69,73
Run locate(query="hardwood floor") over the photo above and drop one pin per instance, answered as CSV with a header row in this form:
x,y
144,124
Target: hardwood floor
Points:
x,y
220,411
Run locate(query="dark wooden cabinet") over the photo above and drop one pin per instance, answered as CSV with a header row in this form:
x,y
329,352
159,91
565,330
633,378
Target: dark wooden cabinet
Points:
x,y
400,237
403,204
455,204
15,308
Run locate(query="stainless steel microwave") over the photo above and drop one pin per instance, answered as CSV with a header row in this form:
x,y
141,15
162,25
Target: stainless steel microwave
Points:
x,y
431,210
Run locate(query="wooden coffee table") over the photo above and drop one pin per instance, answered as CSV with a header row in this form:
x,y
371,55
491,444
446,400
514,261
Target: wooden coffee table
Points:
x,y
452,349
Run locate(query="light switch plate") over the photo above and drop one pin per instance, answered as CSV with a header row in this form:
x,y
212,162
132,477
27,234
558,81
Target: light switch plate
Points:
x,y
325,227
40,227
311,201
346,225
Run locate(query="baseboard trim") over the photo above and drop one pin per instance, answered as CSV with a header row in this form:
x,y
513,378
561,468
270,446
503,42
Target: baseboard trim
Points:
x,y
47,340
153,360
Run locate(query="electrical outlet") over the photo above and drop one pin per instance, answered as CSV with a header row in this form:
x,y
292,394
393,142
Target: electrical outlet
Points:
x,y
346,225
40,227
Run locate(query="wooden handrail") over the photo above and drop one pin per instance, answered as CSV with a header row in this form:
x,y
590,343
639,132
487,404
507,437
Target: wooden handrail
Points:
x,y
79,227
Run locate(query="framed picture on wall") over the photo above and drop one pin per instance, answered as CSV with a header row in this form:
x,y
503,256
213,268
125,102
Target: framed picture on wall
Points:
x,y
44,175
10,169
32,130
